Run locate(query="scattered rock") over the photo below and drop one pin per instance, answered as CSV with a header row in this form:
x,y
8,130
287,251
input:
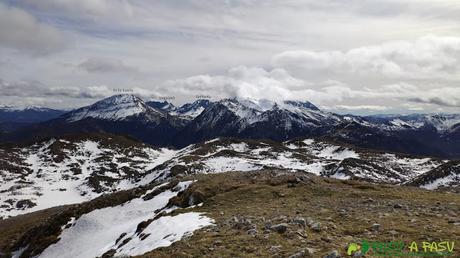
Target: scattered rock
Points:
x,y
316,227
393,232
252,232
343,212
25,204
326,239
333,254
397,206
375,227
300,221
303,253
274,249
280,228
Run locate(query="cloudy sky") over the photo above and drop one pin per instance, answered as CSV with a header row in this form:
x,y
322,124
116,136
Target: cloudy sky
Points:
x,y
358,56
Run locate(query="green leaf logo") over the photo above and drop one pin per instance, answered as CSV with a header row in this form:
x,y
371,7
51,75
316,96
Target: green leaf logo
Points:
x,y
352,248
365,247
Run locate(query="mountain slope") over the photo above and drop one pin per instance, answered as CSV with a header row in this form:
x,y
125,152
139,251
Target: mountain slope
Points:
x,y
28,114
15,118
161,124
446,176
77,168
263,213
73,169
192,110
164,105
260,119
119,114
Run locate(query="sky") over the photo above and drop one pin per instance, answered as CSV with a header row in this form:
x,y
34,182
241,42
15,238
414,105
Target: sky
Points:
x,y
349,56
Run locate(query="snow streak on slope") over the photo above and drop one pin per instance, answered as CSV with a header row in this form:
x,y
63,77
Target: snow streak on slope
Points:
x,y
445,181
446,176
102,230
165,231
317,157
59,172
63,172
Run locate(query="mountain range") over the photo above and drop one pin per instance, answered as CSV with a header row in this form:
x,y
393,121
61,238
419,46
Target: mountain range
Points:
x,y
82,167
129,178
165,125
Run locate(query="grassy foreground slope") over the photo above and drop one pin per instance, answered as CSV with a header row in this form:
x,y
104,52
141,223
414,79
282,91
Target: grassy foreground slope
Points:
x,y
347,212
273,213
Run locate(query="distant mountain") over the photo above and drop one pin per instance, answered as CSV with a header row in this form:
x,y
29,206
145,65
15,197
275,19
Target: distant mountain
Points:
x,y
419,134
163,105
162,124
119,114
117,108
440,122
187,111
27,115
193,109
257,119
12,118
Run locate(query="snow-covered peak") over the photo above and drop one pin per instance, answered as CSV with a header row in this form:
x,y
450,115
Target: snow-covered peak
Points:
x,y
24,108
243,111
163,105
301,104
441,122
117,107
257,104
193,109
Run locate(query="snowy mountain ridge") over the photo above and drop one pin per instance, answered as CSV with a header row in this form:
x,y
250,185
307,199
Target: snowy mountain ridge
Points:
x,y
80,168
441,122
162,124
118,107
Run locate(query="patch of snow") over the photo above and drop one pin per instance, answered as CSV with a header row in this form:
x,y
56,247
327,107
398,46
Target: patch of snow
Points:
x,y
315,167
335,152
308,141
257,104
53,183
165,231
96,232
191,113
445,181
239,147
340,176
224,164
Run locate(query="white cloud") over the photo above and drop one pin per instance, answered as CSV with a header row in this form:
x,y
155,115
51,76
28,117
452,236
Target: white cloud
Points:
x,y
82,8
426,57
278,84
362,107
106,65
241,81
21,31
350,53
22,93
